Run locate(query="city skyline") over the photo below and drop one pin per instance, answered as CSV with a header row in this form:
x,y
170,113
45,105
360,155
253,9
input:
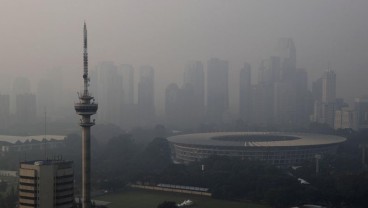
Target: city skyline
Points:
x,y
141,34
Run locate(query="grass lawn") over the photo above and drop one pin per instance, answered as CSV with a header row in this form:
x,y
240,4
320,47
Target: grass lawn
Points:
x,y
150,199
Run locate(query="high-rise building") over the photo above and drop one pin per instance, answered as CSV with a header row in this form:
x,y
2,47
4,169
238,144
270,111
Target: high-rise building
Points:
x,y
46,184
217,89
108,89
146,98
4,111
128,83
245,91
361,109
324,91
193,82
329,87
173,105
287,53
86,107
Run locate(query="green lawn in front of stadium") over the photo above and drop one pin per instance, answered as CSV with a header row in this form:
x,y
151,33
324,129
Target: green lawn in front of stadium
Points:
x,y
150,199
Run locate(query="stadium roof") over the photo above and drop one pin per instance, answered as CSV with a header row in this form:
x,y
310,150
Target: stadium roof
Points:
x,y
256,139
22,139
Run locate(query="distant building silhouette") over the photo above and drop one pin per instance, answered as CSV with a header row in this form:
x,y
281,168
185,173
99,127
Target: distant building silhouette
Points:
x,y
127,72
361,109
324,91
146,97
217,89
46,184
245,93
194,91
108,89
173,106
287,53
4,111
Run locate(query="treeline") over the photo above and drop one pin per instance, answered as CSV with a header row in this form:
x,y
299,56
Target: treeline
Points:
x,y
8,199
122,158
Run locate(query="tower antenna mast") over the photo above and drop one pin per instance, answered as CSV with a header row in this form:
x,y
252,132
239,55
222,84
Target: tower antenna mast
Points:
x,y
85,108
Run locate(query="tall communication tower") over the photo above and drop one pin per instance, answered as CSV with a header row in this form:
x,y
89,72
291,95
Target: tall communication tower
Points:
x,y
86,108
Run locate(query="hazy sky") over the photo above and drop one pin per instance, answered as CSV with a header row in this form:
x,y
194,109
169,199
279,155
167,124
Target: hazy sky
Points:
x,y
37,36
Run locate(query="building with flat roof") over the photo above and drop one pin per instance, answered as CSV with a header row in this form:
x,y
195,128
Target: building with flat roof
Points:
x,y
46,184
277,148
28,143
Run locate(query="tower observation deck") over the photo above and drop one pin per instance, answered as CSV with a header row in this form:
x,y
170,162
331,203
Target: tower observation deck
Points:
x,y
86,107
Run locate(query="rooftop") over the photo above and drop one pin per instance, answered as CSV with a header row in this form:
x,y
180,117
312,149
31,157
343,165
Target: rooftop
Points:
x,y
256,139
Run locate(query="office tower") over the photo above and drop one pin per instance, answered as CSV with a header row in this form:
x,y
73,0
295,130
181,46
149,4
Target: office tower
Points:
x,y
329,87
25,108
146,99
46,184
262,105
108,89
269,71
217,89
173,105
345,118
361,109
287,53
85,108
245,90
193,83
324,90
127,72
4,111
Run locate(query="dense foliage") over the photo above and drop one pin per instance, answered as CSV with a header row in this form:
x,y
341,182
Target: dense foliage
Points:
x,y
127,158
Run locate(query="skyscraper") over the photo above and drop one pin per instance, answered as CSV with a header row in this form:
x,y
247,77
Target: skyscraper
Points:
x,y
287,53
245,90
4,111
128,83
108,89
324,90
217,89
193,81
329,87
173,105
86,109
146,99
46,184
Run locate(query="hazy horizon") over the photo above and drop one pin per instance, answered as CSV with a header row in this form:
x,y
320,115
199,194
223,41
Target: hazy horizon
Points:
x,y
40,36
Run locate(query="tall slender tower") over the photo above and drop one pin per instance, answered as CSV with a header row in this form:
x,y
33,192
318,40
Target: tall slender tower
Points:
x,y
86,108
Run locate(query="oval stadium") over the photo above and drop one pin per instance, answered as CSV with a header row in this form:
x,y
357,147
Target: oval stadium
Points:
x,y
277,148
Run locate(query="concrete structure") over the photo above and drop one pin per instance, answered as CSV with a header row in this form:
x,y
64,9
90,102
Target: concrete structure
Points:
x,y
345,118
4,111
245,91
217,90
146,96
324,91
361,108
46,184
86,109
280,149
28,143
9,173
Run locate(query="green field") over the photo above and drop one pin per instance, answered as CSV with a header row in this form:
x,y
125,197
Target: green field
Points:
x,y
150,199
